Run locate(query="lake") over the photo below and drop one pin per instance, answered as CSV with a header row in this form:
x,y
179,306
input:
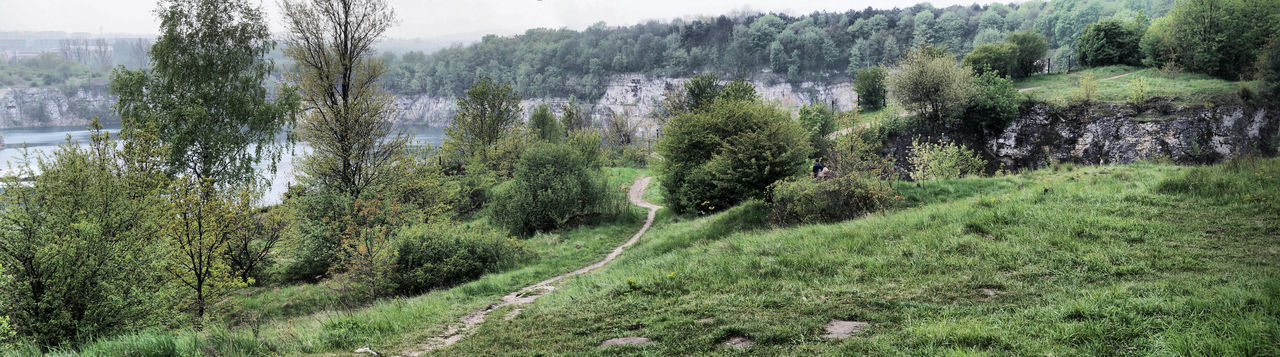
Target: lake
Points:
x,y
43,141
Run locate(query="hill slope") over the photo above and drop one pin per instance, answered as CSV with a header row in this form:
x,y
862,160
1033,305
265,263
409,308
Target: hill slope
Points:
x,y
1143,259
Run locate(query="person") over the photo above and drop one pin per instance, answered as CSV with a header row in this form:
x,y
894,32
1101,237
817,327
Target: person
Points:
x,y
817,168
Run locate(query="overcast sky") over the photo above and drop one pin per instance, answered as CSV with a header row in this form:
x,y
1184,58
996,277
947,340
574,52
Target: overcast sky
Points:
x,y
428,18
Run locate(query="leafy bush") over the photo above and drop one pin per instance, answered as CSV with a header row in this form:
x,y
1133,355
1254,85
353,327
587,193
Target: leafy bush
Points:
x,y
730,152
1137,91
430,256
995,104
805,201
554,186
996,57
628,156
1088,87
818,121
1269,70
1032,47
1110,42
869,84
932,84
943,161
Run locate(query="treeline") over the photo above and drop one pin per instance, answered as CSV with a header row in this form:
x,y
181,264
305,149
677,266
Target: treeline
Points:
x,y
821,46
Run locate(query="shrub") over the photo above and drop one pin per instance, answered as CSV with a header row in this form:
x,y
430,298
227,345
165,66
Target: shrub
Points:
x,y
995,104
1109,42
628,156
430,256
1032,47
869,84
932,84
992,57
806,201
554,186
1269,70
730,152
818,121
1137,91
1088,87
943,161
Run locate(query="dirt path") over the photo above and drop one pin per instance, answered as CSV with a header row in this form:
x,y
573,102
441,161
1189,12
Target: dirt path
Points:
x,y
1104,79
528,294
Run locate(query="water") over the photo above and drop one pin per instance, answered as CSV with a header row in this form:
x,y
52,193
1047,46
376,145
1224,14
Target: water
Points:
x,y
44,141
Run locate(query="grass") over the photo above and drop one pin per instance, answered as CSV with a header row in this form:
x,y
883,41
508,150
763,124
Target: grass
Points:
x,y
303,319
1183,88
1143,259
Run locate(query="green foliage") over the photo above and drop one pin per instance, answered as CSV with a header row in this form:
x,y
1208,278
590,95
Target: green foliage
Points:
x,y
348,121
200,224
8,334
818,121
555,186
205,93
1138,91
869,84
489,112
1219,37
365,254
1087,88
574,118
701,90
1032,47
1157,45
940,161
1110,42
994,104
808,201
619,130
997,57
431,256
80,242
729,152
933,85
545,125
1269,70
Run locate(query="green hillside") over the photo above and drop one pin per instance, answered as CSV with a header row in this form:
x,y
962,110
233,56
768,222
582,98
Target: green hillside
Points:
x,y
1140,259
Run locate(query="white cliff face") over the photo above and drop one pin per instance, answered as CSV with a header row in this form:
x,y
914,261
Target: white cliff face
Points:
x,y
633,95
50,107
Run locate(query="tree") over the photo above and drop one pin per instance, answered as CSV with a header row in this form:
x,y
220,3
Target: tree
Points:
x,y
994,105
1269,70
729,152
1222,37
574,117
249,250
1032,47
554,185
992,57
545,125
1109,42
701,90
934,86
619,130
818,121
348,118
79,242
205,92
485,115
869,84
199,225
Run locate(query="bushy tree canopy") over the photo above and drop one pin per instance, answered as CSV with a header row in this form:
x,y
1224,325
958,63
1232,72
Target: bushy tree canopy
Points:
x,y
1109,42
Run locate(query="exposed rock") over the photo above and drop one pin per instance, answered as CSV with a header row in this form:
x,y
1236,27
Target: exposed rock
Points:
x,y
1100,134
625,341
844,329
50,107
740,342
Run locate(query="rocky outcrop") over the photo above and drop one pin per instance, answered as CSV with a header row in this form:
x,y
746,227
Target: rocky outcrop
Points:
x,y
51,107
1118,134
634,95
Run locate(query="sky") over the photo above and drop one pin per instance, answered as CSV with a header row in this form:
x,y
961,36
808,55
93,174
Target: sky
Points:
x,y
429,18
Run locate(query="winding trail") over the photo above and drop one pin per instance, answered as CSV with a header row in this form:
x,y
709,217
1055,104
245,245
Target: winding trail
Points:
x,y
528,294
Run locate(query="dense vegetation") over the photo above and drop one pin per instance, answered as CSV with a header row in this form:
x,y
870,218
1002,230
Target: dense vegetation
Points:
x,y
155,243
822,46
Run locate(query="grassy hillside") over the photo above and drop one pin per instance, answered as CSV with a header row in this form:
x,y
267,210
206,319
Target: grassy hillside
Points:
x,y
1117,83
1140,259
